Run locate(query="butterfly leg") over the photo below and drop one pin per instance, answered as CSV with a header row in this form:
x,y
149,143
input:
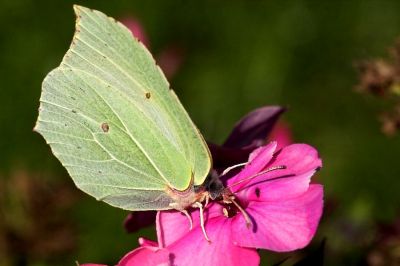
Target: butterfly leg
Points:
x,y
244,213
186,213
207,200
200,206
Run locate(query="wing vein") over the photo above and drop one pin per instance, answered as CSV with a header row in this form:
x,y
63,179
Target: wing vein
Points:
x,y
121,187
68,135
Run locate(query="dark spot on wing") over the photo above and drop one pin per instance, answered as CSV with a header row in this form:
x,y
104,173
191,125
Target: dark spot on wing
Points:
x,y
148,95
105,127
74,111
258,192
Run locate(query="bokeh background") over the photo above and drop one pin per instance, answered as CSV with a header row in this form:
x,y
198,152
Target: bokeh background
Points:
x,y
223,58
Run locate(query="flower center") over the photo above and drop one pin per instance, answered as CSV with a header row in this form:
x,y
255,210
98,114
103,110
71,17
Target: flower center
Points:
x,y
229,210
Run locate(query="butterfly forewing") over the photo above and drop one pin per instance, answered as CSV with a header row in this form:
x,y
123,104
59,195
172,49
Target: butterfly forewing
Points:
x,y
111,119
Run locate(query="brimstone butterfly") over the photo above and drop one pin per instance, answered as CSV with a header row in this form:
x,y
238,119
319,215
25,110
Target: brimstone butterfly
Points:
x,y
112,120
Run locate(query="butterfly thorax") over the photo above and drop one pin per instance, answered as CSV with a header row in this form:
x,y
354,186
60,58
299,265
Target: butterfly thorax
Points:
x,y
211,189
183,200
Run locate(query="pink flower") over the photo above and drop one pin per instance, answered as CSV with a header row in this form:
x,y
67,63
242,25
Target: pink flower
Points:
x,y
284,208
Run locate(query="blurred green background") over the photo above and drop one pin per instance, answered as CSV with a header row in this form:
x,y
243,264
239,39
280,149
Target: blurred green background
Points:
x,y
235,56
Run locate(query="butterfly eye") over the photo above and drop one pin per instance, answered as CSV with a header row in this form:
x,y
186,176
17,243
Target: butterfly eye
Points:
x,y
215,188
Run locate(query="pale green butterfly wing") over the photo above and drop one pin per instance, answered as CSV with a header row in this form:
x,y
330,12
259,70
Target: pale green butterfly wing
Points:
x,y
111,119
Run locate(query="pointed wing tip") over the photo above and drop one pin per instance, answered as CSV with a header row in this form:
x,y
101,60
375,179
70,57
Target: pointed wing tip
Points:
x,y
82,12
79,8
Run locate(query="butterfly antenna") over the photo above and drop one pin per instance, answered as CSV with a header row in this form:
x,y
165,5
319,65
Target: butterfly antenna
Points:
x,y
273,168
227,170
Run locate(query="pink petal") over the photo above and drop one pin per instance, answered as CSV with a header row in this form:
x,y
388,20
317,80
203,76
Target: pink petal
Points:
x,y
300,160
281,225
146,256
278,189
171,225
143,242
193,248
258,159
